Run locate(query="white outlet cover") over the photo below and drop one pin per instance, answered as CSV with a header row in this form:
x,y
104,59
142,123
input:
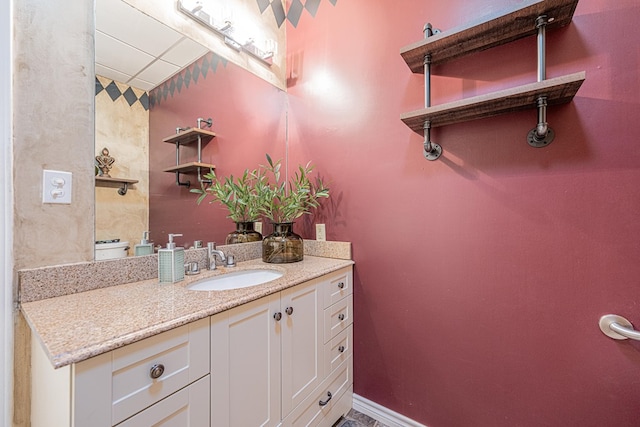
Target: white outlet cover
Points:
x,y
56,187
321,232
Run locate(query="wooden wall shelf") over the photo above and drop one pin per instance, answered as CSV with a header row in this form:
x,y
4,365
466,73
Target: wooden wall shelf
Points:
x,y
123,181
532,17
189,136
488,32
189,167
558,90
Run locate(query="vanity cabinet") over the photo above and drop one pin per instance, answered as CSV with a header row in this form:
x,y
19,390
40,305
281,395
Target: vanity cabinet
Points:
x,y
285,359
282,360
160,381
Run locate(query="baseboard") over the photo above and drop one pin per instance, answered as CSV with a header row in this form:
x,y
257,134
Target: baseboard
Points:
x,y
381,414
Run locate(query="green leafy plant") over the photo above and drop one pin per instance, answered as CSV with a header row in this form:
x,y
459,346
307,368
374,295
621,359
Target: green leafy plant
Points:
x,y
239,195
283,201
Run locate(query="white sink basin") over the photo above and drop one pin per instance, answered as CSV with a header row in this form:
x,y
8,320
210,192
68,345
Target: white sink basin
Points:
x,y
235,280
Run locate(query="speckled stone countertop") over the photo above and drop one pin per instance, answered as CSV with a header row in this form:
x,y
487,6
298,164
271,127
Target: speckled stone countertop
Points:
x,y
75,327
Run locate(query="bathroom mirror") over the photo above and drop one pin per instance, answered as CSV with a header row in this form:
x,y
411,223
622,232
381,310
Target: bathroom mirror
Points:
x,y
134,54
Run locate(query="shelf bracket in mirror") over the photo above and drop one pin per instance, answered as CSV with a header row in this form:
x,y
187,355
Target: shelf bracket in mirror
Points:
x,y
123,190
182,184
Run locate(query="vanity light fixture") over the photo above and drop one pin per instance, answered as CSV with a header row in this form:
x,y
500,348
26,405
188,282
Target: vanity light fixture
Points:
x,y
223,27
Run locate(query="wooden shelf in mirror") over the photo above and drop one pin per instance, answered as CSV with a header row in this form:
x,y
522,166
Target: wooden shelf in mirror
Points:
x,y
490,31
558,90
189,167
189,136
124,182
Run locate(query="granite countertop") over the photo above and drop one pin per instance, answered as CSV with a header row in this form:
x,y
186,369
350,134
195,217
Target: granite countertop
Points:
x,y
75,327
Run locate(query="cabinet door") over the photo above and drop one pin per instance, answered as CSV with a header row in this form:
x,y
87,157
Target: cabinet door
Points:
x,y
302,349
245,365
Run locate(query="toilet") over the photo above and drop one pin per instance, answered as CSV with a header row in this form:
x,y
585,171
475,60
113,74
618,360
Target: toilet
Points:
x,y
111,250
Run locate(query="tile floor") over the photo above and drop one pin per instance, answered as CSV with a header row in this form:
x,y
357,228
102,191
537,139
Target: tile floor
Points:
x,y
357,419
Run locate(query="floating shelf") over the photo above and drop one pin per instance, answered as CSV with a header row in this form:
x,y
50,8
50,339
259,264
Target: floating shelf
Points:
x,y
488,32
123,181
189,167
189,136
558,90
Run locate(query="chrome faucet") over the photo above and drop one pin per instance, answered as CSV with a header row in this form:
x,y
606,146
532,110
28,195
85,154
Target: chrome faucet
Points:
x,y
212,251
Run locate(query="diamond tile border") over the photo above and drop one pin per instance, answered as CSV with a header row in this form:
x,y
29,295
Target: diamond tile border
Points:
x,y
113,89
294,13
185,78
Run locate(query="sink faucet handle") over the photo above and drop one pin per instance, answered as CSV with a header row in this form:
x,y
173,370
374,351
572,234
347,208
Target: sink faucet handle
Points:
x,y
211,246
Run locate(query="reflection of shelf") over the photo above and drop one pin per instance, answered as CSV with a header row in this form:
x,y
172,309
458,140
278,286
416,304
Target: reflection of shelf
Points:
x,y
124,181
489,32
189,136
189,167
558,90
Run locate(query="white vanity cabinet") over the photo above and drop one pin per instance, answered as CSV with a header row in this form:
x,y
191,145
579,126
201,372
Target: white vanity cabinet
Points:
x,y
162,381
282,360
277,360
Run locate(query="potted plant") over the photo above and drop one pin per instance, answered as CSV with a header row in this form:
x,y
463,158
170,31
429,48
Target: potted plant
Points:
x,y
282,203
240,197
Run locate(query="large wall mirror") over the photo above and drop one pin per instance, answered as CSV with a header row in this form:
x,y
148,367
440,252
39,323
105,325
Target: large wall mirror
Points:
x,y
153,77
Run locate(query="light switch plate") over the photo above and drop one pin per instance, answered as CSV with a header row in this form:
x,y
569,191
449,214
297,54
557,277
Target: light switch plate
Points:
x,y
321,232
56,187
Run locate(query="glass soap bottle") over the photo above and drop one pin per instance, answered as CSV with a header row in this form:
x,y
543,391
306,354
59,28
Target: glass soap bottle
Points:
x,y
171,262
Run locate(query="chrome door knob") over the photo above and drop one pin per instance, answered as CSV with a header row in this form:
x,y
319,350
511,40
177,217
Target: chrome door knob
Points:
x,y
289,310
277,316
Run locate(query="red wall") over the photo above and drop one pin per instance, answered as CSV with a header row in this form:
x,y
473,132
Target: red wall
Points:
x,y
480,277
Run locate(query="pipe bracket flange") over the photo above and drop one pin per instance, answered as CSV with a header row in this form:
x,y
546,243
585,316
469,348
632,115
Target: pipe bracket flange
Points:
x,y
434,154
536,141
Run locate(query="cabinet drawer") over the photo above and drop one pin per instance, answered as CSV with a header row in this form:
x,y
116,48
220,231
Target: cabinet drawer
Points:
x,y
311,413
183,354
338,350
338,317
338,286
188,407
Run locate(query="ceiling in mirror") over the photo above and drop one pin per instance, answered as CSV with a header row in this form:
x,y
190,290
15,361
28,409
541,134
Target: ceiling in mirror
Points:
x,y
138,50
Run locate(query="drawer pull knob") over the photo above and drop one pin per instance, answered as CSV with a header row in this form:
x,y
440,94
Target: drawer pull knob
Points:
x,y
156,371
341,316
289,310
324,402
341,285
277,316
341,349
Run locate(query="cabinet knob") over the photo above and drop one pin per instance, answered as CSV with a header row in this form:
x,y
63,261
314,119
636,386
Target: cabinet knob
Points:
x,y
289,310
156,371
277,316
341,285
341,316
324,402
341,349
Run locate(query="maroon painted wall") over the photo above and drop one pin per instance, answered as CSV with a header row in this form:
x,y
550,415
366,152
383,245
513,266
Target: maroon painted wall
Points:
x,y
248,119
480,277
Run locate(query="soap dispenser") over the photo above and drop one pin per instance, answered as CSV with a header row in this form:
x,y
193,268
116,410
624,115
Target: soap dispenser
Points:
x,y
171,262
144,247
